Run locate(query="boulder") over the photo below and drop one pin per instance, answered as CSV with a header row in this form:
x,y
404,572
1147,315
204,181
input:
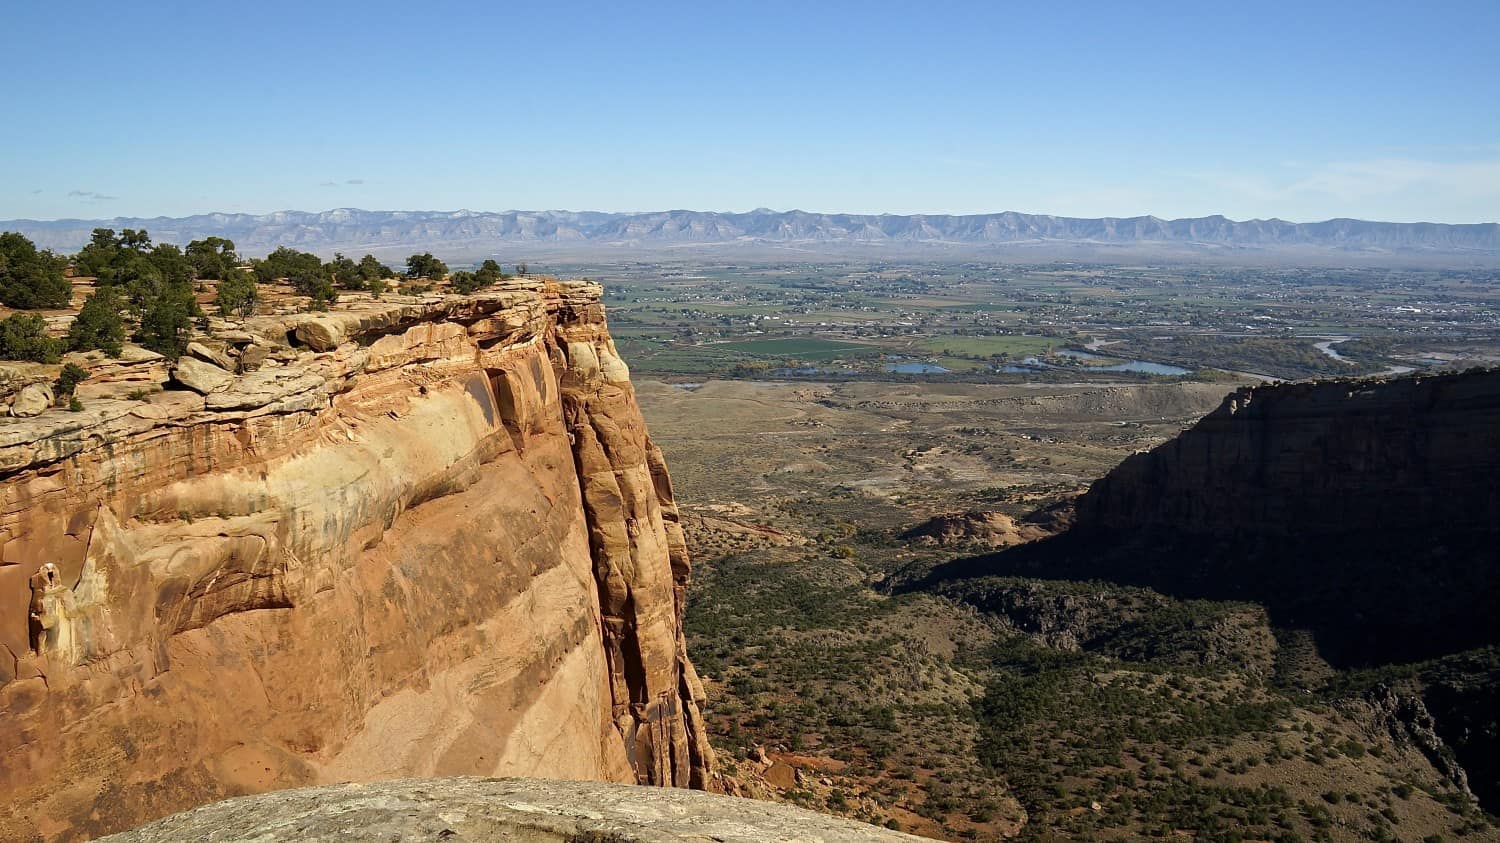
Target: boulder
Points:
x,y
262,388
254,356
320,333
208,354
32,400
200,376
136,354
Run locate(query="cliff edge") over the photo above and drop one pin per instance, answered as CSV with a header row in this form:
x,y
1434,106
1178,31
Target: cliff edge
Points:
x,y
406,538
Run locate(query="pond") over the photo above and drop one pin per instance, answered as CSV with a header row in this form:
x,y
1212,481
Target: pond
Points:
x,y
1138,366
1143,367
915,368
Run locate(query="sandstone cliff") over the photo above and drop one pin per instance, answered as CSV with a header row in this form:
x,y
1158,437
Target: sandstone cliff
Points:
x,y
1365,513
423,537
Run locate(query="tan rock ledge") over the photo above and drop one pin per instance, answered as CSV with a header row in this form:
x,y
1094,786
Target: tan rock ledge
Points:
x,y
479,810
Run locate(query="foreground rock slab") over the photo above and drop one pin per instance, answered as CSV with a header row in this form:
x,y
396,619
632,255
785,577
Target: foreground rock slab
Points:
x,y
479,809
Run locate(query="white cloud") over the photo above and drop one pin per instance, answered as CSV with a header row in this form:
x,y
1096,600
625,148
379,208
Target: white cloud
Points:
x,y
1398,189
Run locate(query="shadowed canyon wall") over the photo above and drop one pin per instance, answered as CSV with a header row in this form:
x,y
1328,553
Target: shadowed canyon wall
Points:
x,y
1366,510
411,539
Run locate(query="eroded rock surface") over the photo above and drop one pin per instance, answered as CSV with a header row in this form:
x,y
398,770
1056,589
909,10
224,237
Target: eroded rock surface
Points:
x,y
481,810
426,538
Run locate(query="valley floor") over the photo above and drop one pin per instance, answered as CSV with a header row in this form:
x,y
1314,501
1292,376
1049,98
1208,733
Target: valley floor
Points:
x,y
1006,707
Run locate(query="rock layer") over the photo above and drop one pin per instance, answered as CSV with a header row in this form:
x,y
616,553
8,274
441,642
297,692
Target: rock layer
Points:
x,y
430,538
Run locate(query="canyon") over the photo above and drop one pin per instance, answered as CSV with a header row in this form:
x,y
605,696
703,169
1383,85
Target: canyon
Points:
x,y
423,536
1357,517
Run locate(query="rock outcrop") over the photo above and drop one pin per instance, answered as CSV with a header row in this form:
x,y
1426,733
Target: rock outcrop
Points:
x,y
1364,511
479,810
990,528
418,537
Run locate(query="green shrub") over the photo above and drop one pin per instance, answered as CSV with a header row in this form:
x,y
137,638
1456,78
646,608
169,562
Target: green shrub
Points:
x,y
99,324
237,294
31,277
23,337
72,375
167,321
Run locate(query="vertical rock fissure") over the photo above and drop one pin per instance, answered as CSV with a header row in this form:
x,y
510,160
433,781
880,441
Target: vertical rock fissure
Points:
x,y
640,562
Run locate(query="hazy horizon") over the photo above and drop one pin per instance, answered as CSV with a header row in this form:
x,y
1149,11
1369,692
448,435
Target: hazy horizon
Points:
x,y
758,209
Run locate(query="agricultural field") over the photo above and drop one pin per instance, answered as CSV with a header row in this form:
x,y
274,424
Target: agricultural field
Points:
x,y
1003,323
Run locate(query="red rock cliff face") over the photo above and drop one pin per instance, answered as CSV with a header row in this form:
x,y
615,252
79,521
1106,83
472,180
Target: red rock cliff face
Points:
x,y
429,538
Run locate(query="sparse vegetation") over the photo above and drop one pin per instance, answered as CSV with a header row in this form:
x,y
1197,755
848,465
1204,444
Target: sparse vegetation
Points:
x,y
68,380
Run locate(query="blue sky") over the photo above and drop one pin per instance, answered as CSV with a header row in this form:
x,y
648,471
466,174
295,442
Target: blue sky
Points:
x,y
1298,110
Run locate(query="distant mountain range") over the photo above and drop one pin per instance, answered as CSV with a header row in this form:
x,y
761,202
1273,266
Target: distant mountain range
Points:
x,y
465,233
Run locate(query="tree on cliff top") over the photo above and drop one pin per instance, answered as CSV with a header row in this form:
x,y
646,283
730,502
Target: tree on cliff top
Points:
x,y
98,324
31,277
167,320
128,261
212,257
237,294
316,286
287,263
425,266
371,269
23,336
489,273
344,272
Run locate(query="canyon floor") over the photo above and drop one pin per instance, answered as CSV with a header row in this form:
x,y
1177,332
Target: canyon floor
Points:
x,y
1065,711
